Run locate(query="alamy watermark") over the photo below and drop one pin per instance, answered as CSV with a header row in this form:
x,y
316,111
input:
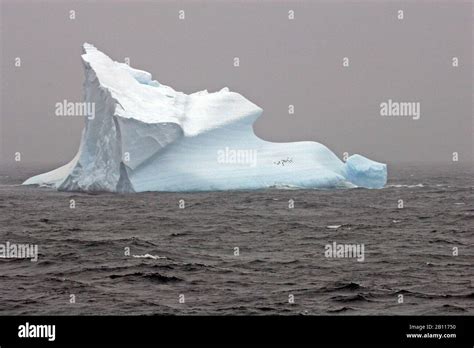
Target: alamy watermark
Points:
x,y
244,157
402,109
19,251
37,331
337,250
67,108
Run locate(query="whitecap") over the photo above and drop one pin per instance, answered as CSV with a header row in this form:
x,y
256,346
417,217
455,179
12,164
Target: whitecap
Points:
x,y
149,256
409,186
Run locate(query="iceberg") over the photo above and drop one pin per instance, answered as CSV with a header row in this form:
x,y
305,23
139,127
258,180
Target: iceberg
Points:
x,y
146,136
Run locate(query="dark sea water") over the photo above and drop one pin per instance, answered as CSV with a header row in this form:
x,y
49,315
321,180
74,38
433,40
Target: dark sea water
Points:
x,y
408,251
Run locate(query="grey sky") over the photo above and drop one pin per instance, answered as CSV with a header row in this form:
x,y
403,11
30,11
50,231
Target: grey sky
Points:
x,y
282,62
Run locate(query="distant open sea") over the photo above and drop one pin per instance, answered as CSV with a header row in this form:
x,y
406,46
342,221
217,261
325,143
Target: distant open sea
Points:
x,y
191,251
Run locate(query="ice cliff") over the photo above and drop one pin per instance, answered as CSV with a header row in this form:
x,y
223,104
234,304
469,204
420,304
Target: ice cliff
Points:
x,y
146,136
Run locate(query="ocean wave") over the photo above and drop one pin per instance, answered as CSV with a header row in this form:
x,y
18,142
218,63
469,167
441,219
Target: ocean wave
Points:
x,y
154,277
405,185
341,309
351,298
149,256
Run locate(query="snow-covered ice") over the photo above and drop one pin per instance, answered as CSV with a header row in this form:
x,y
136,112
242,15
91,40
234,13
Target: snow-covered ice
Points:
x,y
146,136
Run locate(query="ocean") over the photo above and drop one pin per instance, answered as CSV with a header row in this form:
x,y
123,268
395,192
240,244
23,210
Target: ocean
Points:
x,y
243,252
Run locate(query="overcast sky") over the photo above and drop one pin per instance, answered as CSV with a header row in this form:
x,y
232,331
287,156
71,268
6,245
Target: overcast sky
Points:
x,y
282,62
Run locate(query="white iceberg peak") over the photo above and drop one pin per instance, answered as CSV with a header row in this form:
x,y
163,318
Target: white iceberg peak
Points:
x,y
146,136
